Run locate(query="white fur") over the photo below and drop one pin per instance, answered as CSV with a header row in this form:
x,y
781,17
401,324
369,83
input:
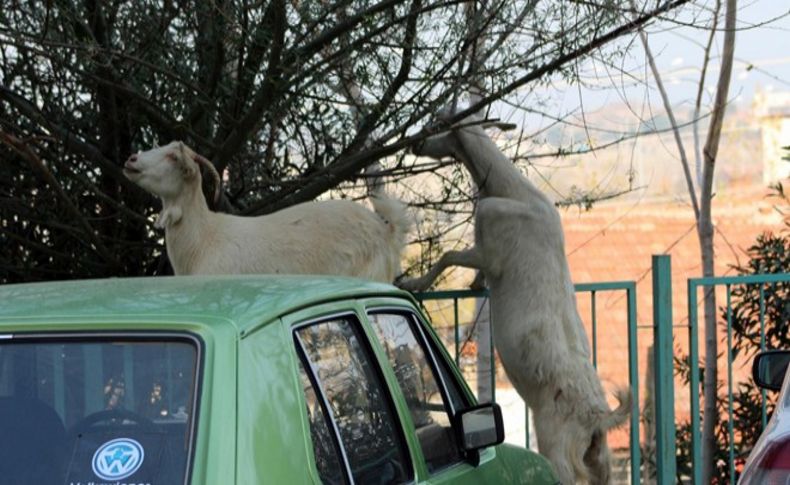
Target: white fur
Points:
x,y
520,248
336,237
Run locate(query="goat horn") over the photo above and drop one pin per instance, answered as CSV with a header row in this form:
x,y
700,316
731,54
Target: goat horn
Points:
x,y
201,160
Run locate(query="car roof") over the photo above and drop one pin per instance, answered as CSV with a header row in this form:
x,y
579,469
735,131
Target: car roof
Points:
x,y
247,301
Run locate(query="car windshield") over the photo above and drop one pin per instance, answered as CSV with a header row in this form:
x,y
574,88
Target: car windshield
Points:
x,y
98,410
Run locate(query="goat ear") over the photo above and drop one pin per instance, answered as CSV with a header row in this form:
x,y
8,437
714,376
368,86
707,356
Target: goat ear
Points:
x,y
188,167
170,215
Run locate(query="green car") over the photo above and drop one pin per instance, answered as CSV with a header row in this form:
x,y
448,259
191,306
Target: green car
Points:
x,y
238,380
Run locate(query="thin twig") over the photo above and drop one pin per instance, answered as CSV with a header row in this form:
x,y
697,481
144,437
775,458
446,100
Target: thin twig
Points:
x,y
673,122
28,154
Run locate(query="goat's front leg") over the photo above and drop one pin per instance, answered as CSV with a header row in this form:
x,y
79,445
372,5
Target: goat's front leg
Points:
x,y
479,283
471,258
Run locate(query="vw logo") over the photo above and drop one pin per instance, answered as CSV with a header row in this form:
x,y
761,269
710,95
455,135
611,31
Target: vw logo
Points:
x,y
118,459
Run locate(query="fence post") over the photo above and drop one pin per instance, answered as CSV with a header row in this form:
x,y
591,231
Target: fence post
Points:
x,y
633,381
664,370
485,350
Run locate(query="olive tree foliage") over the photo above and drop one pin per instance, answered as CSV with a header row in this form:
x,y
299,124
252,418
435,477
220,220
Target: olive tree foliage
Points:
x,y
259,87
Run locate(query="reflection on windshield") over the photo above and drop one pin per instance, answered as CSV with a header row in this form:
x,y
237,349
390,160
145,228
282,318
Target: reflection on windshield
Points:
x,y
101,411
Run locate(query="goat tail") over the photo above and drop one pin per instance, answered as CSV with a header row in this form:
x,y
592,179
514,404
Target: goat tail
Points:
x,y
373,180
394,214
619,415
392,211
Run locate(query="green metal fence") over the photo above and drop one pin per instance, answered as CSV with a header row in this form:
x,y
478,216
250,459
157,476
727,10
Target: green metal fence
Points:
x,y
693,328
663,359
594,289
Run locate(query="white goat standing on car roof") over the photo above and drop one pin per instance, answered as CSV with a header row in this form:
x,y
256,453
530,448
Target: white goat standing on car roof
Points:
x,y
338,237
520,248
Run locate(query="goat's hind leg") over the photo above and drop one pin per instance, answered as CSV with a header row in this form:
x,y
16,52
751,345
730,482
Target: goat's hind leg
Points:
x,y
470,258
554,441
598,459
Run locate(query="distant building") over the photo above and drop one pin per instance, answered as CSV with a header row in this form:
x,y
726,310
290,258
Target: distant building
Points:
x,y
773,111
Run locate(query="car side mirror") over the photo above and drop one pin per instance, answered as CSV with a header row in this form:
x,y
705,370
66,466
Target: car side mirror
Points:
x,y
480,426
769,368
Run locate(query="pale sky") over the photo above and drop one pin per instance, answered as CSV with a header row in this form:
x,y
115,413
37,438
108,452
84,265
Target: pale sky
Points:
x,y
679,53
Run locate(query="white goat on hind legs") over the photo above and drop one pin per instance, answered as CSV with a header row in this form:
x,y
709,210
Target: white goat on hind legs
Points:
x,y
336,237
520,248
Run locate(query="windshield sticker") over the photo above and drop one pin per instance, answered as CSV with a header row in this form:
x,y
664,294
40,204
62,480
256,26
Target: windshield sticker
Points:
x,y
118,459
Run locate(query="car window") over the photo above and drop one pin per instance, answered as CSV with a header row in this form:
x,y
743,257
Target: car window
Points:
x,y
96,410
454,390
421,387
327,459
358,403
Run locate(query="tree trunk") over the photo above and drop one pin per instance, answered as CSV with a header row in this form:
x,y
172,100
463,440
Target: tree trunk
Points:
x,y
710,415
705,230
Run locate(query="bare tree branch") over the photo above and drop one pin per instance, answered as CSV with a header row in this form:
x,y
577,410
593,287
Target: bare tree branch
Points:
x,y
673,122
28,154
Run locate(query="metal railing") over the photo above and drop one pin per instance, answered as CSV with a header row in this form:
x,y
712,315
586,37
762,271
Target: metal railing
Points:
x,y
728,282
629,287
455,296
663,359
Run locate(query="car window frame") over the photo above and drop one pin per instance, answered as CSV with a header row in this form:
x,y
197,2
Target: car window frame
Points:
x,y
430,351
421,338
326,409
432,345
184,336
359,318
485,454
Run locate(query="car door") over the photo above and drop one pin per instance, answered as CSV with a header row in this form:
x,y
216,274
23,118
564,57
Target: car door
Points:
x,y
399,325
433,393
380,395
354,425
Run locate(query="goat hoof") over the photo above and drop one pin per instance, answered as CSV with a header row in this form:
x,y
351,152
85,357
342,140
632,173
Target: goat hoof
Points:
x,y
412,285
